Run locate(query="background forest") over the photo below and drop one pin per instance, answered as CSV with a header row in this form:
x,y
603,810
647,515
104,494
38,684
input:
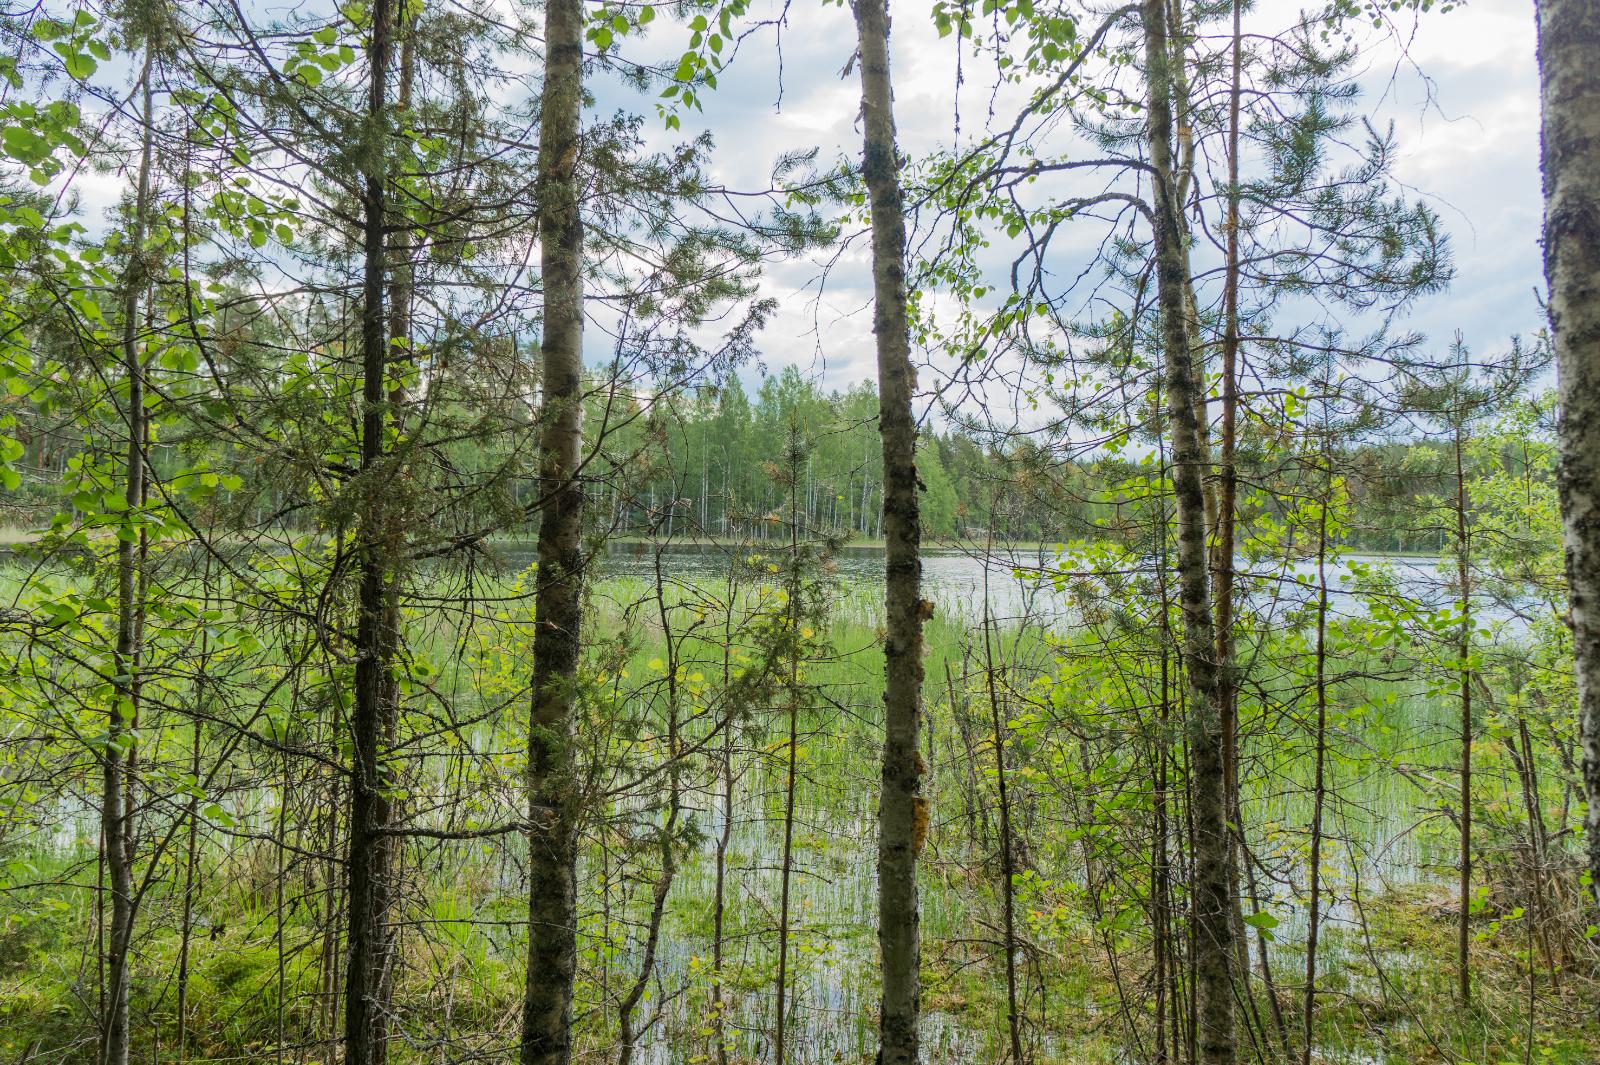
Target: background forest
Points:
x,y
438,626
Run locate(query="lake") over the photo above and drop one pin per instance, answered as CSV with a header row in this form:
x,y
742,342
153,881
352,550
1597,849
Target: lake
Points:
x,y
1020,581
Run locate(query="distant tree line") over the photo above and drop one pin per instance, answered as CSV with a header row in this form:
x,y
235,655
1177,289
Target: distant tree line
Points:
x,y
700,463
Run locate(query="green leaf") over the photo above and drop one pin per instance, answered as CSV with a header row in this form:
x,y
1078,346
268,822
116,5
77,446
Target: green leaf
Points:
x,y
213,812
80,66
24,145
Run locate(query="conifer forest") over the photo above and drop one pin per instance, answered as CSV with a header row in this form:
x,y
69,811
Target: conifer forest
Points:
x,y
710,532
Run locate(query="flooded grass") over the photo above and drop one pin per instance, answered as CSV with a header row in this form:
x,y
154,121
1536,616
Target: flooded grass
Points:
x,y
264,932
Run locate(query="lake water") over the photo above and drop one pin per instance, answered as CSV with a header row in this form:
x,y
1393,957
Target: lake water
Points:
x,y
1020,583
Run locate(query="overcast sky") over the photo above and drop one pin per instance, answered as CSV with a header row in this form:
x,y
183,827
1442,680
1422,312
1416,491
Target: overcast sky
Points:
x,y
1472,153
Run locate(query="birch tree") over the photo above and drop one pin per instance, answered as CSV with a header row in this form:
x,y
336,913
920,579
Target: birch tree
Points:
x,y
1214,949
1569,42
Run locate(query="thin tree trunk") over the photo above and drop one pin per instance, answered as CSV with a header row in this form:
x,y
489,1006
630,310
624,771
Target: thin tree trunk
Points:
x,y
332,905
116,811
402,274
969,779
720,902
1522,756
786,875
1227,468
1318,783
1214,946
192,828
1166,962
666,841
1166,950
786,871
1464,650
1007,851
552,793
372,716
1222,507
280,837
724,835
1569,40
902,806
186,918
1184,162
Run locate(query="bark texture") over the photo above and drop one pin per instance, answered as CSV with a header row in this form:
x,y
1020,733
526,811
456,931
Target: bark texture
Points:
x,y
1569,42
375,709
1214,947
552,794
899,936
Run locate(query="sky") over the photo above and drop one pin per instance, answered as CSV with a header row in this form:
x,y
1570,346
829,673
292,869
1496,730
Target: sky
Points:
x,y
1461,91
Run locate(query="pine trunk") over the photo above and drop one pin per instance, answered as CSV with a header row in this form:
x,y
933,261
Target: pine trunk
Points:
x,y
373,716
552,795
901,803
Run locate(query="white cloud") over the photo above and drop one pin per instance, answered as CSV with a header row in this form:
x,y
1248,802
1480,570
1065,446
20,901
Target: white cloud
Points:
x,y
1472,151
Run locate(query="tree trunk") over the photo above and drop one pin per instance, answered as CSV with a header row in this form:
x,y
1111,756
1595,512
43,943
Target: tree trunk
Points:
x,y
792,753
1464,650
720,899
373,715
1227,467
190,879
1569,40
1007,848
719,911
667,838
552,788
116,813
1319,771
1213,930
901,804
